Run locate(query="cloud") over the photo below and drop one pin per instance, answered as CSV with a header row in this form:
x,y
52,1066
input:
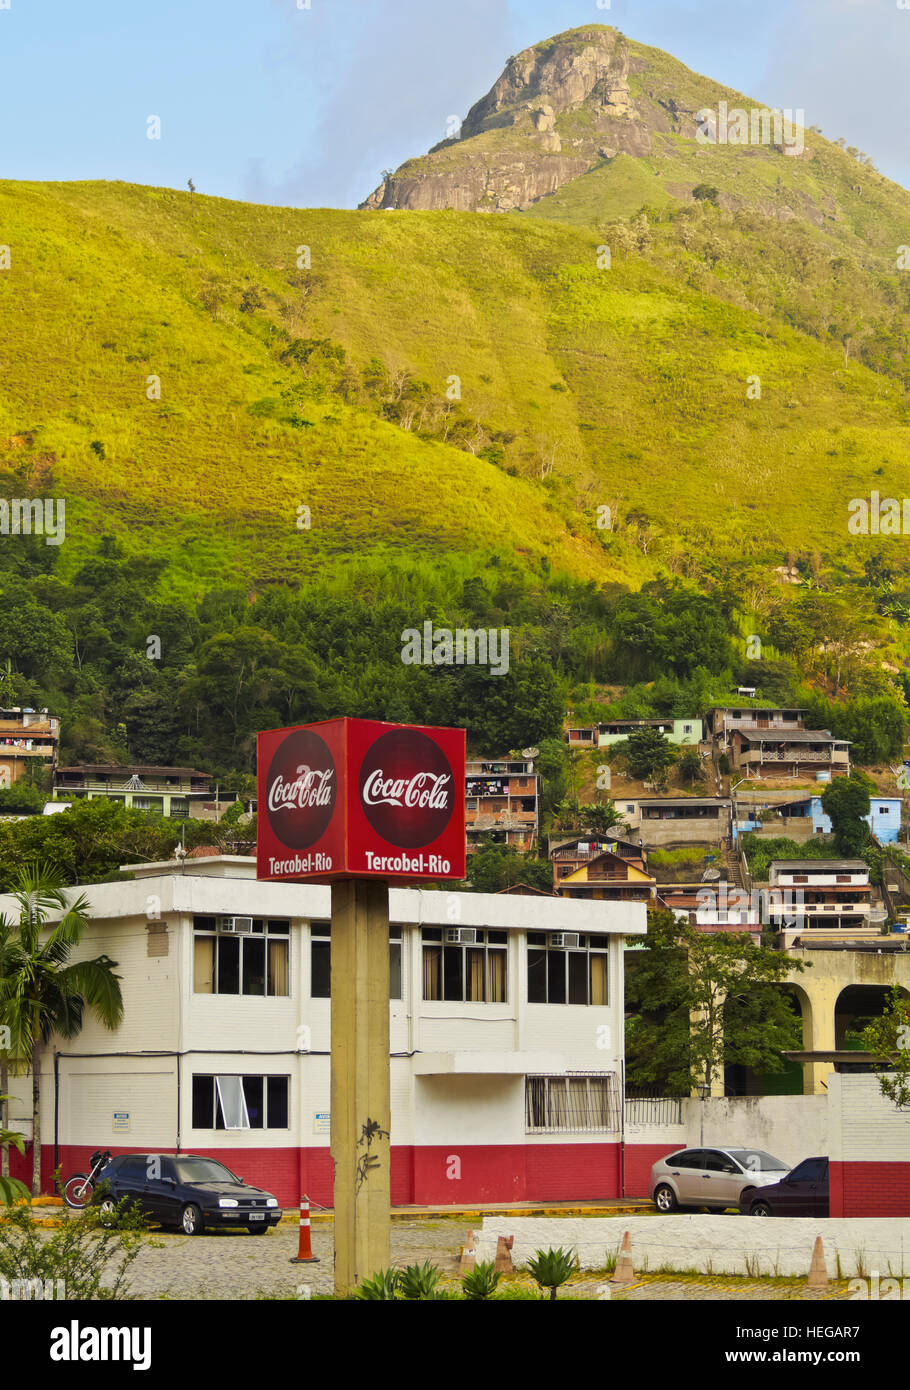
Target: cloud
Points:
x,y
385,86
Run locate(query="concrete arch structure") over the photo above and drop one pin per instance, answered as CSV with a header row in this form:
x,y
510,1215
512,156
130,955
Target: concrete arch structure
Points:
x,y
819,987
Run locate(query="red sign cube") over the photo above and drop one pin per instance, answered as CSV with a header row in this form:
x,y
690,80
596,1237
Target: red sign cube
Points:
x,y
358,798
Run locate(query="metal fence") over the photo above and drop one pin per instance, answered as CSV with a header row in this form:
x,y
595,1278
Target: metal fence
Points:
x,y
654,1110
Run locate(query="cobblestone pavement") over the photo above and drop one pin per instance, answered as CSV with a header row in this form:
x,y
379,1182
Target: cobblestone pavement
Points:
x,y
236,1265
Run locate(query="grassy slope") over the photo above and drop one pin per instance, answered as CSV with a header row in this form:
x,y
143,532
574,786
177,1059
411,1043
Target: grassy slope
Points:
x,y
649,372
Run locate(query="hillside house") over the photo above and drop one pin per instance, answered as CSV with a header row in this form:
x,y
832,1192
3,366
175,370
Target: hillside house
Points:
x,y
501,802
758,754
175,792
28,737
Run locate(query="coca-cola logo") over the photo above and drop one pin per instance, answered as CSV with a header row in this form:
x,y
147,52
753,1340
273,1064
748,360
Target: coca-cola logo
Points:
x,y
300,789
407,788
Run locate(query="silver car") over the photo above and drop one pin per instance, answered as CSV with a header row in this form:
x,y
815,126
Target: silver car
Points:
x,y
711,1177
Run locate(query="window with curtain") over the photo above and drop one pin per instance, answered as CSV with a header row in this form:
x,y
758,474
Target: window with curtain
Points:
x,y
567,975
321,960
252,963
575,1103
204,965
471,971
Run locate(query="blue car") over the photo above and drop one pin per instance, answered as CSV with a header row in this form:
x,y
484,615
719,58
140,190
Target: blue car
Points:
x,y
803,1192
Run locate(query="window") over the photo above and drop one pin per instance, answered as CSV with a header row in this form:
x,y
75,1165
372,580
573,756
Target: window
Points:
x,y
716,1162
575,1103
689,1158
472,970
240,1102
883,810
567,975
812,1170
321,961
253,962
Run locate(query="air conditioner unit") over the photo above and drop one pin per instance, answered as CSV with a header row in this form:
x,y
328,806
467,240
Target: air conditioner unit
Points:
x,y
461,936
240,925
564,938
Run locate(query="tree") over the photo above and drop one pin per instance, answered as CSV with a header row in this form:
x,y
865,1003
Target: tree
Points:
x,y
553,770
846,801
601,817
690,767
888,1038
701,1000
41,991
495,867
648,754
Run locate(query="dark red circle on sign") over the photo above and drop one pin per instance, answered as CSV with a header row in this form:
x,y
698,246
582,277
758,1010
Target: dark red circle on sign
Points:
x,y
407,788
300,789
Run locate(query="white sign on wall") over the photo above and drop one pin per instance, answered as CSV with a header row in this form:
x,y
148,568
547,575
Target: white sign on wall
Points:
x,y
322,1122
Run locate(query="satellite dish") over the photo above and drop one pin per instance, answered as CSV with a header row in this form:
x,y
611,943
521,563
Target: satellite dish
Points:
x,y
530,752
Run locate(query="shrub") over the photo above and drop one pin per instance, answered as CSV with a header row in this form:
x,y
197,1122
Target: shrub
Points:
x,y
551,1268
80,1254
481,1282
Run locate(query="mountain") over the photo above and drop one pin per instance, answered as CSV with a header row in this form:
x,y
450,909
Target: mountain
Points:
x,y
190,373
590,126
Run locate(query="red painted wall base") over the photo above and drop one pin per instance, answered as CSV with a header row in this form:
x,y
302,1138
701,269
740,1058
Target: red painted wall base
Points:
x,y
869,1189
444,1175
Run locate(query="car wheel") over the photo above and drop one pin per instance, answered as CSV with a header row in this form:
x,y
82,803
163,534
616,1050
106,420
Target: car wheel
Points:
x,y
107,1209
665,1199
759,1209
191,1220
257,1230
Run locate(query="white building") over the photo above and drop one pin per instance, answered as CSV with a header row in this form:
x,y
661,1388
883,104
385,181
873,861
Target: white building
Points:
x,y
506,1033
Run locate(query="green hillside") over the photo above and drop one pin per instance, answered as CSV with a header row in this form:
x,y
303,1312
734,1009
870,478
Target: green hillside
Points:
x,y
580,387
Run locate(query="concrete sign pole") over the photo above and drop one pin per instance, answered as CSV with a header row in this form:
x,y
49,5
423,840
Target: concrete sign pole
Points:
x,y
360,1106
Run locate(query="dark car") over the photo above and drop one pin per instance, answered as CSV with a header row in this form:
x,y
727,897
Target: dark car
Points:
x,y
188,1192
803,1192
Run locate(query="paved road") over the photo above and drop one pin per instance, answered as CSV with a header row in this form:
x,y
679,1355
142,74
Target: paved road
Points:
x,y
236,1265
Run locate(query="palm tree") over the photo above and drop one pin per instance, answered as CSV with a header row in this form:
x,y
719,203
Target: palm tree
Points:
x,y
41,992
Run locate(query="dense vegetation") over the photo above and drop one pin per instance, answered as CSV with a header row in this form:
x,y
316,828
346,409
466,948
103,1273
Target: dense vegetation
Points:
x,y
285,436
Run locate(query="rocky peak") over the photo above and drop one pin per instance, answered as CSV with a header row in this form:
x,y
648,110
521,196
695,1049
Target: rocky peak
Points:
x,y
558,109
560,76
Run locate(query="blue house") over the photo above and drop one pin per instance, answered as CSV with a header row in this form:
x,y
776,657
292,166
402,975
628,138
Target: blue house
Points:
x,y
884,816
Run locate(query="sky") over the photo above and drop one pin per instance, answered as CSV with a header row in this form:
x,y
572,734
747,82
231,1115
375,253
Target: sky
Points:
x,y
304,102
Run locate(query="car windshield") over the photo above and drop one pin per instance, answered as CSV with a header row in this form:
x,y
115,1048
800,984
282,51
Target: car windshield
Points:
x,y
757,1161
203,1170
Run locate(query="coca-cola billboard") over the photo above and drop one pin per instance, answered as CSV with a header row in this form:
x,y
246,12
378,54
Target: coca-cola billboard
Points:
x,y
352,798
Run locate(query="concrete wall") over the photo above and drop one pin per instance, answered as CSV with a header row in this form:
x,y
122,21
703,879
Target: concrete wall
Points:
x,y
870,1150
789,1127
712,1244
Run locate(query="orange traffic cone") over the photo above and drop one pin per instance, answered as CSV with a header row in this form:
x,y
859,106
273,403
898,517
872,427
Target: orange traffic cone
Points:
x,y
305,1254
